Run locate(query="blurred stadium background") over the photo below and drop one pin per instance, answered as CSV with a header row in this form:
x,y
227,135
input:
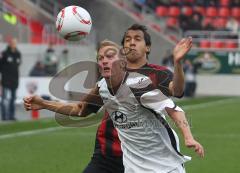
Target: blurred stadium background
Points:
x,y
41,145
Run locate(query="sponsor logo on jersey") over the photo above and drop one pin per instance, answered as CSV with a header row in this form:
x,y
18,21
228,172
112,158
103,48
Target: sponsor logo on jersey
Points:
x,y
119,117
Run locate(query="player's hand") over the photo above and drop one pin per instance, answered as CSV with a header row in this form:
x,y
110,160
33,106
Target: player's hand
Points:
x,y
33,103
181,49
192,143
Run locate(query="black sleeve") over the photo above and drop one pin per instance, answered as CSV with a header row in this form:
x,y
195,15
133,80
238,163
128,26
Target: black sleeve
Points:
x,y
94,108
164,77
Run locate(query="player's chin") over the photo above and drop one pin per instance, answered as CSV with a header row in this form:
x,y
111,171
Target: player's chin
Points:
x,y
106,75
132,58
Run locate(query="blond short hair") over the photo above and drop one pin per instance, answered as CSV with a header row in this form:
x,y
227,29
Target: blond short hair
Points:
x,y
106,42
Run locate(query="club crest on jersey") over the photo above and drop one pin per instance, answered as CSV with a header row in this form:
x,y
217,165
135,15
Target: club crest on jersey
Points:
x,y
119,117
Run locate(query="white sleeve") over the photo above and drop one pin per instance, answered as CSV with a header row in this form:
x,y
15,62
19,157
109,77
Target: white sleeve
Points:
x,y
157,101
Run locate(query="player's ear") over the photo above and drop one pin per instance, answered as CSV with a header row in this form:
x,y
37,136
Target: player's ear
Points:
x,y
148,49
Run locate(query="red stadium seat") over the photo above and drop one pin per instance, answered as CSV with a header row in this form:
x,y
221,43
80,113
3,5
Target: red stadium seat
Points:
x,y
36,27
211,12
224,12
172,22
217,44
224,2
231,44
204,44
220,23
235,12
174,11
207,20
23,19
186,10
161,11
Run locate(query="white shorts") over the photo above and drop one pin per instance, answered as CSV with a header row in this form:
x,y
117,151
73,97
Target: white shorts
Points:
x,y
179,169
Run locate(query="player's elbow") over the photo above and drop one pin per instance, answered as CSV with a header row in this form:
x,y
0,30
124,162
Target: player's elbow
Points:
x,y
178,93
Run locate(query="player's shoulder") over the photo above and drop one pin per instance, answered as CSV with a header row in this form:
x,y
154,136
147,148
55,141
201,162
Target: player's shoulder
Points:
x,y
138,80
157,67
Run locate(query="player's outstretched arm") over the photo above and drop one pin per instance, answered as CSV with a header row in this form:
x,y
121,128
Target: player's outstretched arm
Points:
x,y
181,49
37,103
90,104
180,120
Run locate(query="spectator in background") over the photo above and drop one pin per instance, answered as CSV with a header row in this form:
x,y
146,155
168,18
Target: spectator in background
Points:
x,y
208,26
64,60
211,3
190,71
232,25
168,60
174,2
235,3
10,61
152,4
195,22
50,61
38,69
200,2
139,4
184,21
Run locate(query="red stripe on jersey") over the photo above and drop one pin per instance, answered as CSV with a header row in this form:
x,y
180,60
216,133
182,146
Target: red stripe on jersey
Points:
x,y
157,67
153,77
101,134
116,146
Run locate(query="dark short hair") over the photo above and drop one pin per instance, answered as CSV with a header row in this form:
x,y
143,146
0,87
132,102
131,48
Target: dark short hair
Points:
x,y
147,37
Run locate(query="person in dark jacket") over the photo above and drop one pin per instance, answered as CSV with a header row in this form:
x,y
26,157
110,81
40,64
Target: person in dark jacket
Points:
x,y
9,63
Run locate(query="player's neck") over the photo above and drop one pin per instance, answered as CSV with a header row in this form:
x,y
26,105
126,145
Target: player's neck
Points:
x,y
136,64
115,82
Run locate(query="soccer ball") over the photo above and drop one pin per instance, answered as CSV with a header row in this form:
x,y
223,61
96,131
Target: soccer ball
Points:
x,y
73,23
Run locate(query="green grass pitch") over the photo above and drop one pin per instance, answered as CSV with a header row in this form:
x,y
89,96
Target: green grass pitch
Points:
x,y
42,146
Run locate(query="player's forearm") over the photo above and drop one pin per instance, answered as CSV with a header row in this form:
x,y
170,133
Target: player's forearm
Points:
x,y
180,120
184,127
178,80
70,109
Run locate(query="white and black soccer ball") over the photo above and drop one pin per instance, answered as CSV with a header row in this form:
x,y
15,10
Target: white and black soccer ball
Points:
x,y
73,23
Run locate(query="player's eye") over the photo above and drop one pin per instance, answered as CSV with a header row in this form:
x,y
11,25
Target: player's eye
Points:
x,y
99,57
127,39
138,38
110,55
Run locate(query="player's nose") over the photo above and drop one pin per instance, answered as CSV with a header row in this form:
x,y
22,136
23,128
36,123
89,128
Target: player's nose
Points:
x,y
132,42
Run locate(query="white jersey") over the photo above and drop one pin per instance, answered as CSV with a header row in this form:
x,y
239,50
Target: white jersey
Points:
x,y
148,143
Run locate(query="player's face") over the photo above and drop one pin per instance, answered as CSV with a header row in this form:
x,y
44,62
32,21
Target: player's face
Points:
x,y
109,62
134,39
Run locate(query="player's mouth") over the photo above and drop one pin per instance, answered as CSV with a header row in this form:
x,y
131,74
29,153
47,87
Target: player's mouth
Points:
x,y
106,69
132,50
